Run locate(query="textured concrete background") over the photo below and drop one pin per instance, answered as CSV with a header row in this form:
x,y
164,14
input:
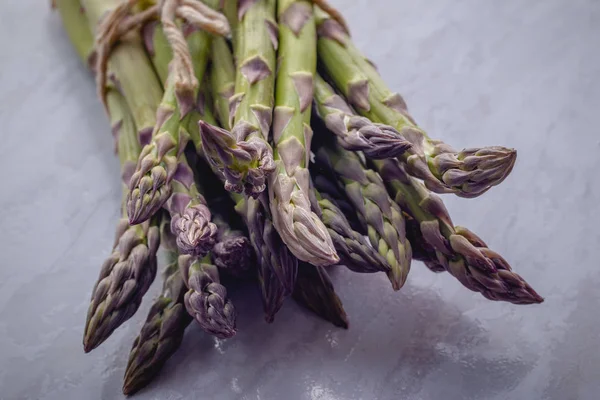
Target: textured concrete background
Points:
x,y
520,73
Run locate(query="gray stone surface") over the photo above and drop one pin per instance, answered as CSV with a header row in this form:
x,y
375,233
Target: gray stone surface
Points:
x,y
474,72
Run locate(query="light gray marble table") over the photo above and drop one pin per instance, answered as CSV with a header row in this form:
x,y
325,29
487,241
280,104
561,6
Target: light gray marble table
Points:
x,y
474,72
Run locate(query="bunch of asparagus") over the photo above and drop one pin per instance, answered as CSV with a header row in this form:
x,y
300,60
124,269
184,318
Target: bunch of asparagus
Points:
x,y
257,142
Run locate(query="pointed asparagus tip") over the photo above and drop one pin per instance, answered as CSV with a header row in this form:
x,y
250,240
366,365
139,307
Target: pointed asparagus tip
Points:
x,y
473,171
147,194
299,227
91,341
87,347
245,164
195,234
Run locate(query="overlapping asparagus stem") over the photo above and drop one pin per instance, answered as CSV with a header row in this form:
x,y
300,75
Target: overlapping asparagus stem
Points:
x,y
421,250
276,264
381,216
299,228
150,186
468,173
354,250
353,132
222,79
158,49
315,291
251,106
233,252
206,299
161,334
190,216
130,66
127,274
461,253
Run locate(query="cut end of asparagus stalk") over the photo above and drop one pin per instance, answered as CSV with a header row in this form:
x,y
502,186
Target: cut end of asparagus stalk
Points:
x,y
234,255
300,229
124,278
207,301
195,234
245,164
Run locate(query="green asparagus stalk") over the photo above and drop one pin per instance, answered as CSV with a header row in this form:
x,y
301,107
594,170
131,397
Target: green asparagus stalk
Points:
x,y
460,251
131,68
252,104
222,79
206,299
77,28
300,229
468,173
314,291
161,334
158,49
353,132
127,274
380,215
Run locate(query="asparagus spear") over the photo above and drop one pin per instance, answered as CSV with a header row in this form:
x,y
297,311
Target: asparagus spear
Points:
x,y
190,216
460,251
127,274
206,299
233,252
354,250
150,185
252,104
132,69
271,252
353,132
299,228
315,291
274,260
468,173
161,334
381,217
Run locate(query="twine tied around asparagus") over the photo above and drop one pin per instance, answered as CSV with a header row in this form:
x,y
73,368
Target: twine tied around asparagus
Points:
x,y
122,20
